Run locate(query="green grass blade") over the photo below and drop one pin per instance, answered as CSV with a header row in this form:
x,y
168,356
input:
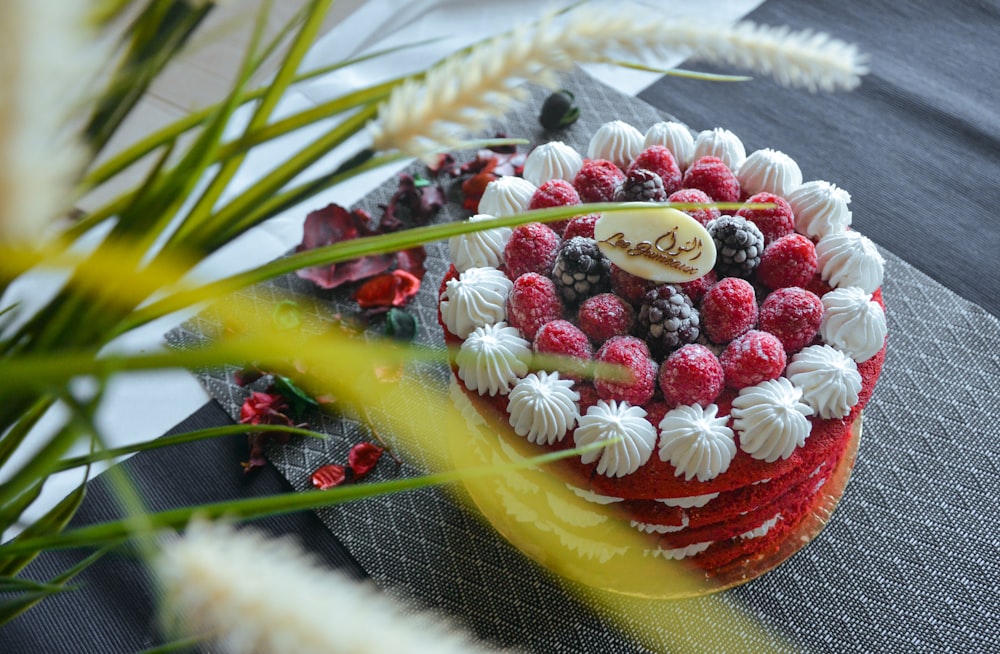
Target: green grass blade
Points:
x,y
11,511
233,158
680,72
255,508
180,439
12,440
231,217
14,607
158,34
51,524
141,148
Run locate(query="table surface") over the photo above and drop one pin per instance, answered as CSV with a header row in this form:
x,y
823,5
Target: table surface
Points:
x,y
910,561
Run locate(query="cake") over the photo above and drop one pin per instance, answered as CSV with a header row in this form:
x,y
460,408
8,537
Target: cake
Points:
x,y
751,338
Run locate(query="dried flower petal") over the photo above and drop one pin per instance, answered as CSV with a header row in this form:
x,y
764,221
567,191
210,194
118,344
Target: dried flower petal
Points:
x,y
385,291
329,476
264,409
363,457
334,224
415,202
412,261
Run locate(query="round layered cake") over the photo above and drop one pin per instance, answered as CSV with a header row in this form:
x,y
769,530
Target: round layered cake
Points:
x,y
721,356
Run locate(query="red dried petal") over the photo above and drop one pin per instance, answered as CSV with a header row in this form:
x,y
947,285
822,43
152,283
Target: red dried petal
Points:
x,y
412,203
363,458
329,476
385,291
474,187
412,261
266,408
335,224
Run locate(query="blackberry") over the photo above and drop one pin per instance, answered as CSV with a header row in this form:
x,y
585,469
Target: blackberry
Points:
x,y
641,185
581,270
668,320
739,244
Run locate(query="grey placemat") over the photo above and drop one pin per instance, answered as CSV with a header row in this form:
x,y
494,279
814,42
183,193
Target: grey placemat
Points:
x,y
909,561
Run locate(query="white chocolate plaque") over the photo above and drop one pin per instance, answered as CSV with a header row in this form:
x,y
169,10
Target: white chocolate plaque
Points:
x,y
663,244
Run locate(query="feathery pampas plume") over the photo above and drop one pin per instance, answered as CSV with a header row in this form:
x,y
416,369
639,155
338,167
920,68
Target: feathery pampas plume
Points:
x,y
250,593
47,58
465,91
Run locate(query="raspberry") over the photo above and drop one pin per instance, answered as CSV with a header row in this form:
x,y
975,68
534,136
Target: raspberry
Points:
x,y
728,310
691,375
580,270
696,288
789,261
597,180
712,175
793,315
752,358
773,223
738,244
531,248
641,185
818,285
533,301
658,159
555,193
629,286
561,337
581,226
641,383
668,319
704,215
604,316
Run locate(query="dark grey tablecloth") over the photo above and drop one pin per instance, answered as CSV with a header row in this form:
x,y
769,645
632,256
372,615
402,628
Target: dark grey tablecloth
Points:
x,y
910,560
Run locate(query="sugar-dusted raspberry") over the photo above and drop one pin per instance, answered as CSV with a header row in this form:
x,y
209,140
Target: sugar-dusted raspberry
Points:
x,y
696,288
640,382
728,310
793,315
691,375
533,301
630,287
597,180
789,261
531,248
555,193
561,337
581,226
704,215
712,175
641,185
604,316
658,159
752,358
773,223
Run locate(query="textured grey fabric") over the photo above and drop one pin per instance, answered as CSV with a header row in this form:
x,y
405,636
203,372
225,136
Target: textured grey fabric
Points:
x,y
908,562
